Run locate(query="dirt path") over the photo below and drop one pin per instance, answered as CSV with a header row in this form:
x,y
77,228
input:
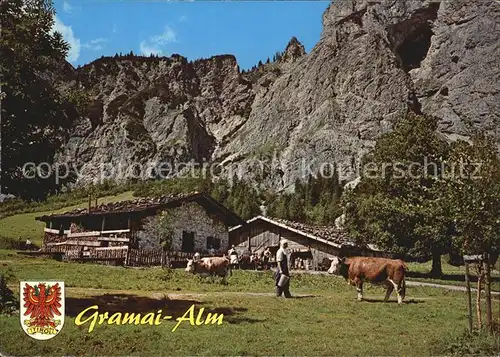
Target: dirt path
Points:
x,y
160,295
449,287
243,293
81,292
409,282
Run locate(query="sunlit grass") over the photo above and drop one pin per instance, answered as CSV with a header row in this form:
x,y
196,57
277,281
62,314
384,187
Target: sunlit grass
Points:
x,y
325,320
24,226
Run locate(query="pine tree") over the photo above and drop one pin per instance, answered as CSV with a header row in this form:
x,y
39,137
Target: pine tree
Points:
x,y
296,209
315,189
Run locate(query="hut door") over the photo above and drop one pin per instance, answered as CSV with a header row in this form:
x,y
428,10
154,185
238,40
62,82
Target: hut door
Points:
x,y
188,242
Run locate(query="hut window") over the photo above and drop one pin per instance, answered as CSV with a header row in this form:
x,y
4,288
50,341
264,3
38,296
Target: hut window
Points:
x,y
188,242
213,243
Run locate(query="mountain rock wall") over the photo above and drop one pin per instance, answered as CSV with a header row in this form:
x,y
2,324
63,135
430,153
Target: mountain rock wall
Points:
x,y
375,61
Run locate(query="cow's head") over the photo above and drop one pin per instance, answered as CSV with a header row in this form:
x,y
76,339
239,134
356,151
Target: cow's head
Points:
x,y
336,265
190,266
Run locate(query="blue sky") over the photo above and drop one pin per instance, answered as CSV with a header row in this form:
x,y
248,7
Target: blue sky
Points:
x,y
251,30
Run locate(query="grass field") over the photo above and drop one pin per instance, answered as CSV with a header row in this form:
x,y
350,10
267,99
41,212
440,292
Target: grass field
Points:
x,y
24,225
324,319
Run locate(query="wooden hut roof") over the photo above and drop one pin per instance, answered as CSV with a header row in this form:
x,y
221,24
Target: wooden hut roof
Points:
x,y
326,234
150,204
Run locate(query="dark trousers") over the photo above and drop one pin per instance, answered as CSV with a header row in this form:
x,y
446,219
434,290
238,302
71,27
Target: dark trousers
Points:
x,y
285,289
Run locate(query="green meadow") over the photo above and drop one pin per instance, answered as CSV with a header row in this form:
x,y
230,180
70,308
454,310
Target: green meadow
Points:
x,y
324,318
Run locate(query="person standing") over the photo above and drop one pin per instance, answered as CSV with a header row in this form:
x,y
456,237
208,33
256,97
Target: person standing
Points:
x,y
233,257
196,256
267,257
282,269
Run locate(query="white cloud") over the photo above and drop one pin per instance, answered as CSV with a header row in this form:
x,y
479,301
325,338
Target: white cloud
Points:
x,y
183,18
98,40
67,33
155,43
148,50
95,44
67,7
115,28
168,36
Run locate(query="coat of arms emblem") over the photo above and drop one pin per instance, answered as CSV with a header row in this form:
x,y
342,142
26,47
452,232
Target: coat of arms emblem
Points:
x,y
42,308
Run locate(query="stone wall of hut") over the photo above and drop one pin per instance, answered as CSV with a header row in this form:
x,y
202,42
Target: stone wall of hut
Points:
x,y
191,217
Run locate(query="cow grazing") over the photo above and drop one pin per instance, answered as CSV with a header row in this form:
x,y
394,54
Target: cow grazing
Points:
x,y
378,271
213,266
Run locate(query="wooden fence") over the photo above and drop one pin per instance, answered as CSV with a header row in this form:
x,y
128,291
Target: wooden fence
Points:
x,y
157,257
122,255
70,252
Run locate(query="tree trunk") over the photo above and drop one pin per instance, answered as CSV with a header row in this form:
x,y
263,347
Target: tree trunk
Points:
x,y
437,269
469,297
487,289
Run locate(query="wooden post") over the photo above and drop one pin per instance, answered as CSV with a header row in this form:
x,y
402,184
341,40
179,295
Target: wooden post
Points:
x,y
95,202
469,297
487,289
127,257
103,222
90,202
480,276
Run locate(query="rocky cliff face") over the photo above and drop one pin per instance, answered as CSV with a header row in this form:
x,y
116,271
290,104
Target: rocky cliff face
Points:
x,y
375,61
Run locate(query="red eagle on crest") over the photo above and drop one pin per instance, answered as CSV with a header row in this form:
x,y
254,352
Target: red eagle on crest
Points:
x,y
42,303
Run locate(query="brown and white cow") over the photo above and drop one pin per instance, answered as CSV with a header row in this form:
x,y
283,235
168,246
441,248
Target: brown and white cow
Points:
x,y
378,271
213,266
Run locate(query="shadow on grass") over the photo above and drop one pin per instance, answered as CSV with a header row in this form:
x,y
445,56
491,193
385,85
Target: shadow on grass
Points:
x,y
381,301
142,305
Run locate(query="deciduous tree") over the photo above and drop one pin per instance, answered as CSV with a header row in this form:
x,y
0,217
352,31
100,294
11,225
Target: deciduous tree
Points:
x,y
399,204
35,116
159,231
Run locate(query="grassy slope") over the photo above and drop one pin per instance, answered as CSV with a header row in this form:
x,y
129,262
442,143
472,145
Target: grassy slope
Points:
x,y
24,225
330,323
